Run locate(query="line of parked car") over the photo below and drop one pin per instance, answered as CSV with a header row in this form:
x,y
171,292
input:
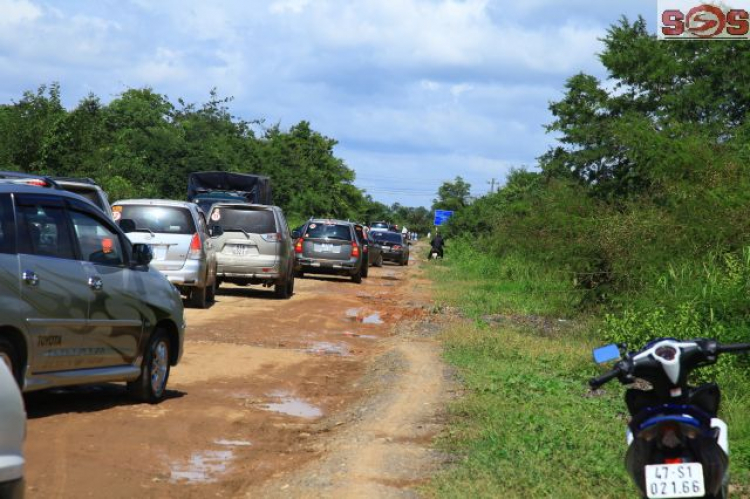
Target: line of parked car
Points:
x,y
92,293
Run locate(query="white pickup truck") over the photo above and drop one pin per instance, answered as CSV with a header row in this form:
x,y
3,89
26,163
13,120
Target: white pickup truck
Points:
x,y
12,434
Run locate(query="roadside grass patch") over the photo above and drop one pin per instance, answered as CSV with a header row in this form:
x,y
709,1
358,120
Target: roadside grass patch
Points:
x,y
528,425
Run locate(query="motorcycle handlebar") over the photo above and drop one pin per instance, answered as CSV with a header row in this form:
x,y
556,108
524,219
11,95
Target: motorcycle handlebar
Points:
x,y
733,348
595,383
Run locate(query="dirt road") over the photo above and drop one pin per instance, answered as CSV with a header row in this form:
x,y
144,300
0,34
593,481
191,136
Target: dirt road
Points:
x,y
334,393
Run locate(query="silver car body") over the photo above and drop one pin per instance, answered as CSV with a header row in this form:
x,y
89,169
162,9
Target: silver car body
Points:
x,y
12,432
172,247
252,251
75,319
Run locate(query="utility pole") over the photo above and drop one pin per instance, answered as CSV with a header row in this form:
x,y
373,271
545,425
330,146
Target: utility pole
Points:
x,y
492,185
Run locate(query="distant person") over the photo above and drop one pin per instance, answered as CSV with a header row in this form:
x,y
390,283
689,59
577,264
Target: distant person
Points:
x,y
436,246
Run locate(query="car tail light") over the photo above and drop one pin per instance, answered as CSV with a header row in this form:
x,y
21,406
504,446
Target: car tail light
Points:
x,y
298,246
195,247
35,181
396,247
355,249
271,238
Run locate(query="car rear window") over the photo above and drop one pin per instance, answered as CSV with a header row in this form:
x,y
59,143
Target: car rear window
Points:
x,y
89,194
390,237
330,231
158,219
238,219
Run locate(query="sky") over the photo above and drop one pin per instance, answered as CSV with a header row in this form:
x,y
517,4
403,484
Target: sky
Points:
x,y
416,92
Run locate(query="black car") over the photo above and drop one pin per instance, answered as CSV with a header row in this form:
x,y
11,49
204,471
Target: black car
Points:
x,y
394,246
329,247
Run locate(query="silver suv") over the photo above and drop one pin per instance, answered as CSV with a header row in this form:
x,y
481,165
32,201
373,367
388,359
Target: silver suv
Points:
x,y
329,247
80,304
87,188
253,246
178,236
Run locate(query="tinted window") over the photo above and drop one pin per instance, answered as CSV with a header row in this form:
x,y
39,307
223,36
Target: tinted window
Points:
x,y
43,230
379,225
251,221
330,231
7,225
158,219
98,243
390,237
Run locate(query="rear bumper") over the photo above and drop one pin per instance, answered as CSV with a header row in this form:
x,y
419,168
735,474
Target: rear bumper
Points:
x,y
317,265
393,255
254,267
192,274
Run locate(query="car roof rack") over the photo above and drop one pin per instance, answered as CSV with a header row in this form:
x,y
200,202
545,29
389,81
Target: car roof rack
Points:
x,y
80,180
20,178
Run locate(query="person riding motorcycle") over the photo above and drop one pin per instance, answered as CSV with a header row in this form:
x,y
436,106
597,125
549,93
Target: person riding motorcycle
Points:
x,y
436,246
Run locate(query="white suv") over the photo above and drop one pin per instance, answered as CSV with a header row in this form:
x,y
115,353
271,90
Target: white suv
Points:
x,y
12,433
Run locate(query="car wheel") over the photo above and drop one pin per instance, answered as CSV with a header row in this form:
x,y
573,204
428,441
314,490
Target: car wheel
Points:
x,y
357,277
379,261
211,292
9,355
151,385
284,290
198,297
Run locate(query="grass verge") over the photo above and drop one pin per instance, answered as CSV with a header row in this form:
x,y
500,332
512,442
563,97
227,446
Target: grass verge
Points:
x,y
528,426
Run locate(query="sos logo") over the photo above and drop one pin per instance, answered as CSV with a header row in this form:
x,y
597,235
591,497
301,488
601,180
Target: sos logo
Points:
x,y
705,21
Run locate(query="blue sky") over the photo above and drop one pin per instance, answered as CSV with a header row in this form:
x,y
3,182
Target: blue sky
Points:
x,y
415,91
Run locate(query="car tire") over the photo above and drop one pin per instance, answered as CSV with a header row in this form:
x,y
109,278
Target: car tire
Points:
x,y
9,355
285,290
379,261
357,277
151,385
211,292
198,297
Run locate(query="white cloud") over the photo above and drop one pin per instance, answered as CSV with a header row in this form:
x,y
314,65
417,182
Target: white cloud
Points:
x,y
18,12
449,87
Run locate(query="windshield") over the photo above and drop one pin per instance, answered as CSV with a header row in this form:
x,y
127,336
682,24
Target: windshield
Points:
x,y
157,219
390,237
238,219
328,231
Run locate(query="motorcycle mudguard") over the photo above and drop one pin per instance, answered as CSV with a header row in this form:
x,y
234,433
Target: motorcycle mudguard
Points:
x,y
696,445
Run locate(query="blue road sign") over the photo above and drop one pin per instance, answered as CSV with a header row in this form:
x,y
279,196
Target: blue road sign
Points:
x,y
442,216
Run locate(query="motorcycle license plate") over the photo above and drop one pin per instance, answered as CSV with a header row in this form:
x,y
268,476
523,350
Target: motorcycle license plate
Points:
x,y
674,480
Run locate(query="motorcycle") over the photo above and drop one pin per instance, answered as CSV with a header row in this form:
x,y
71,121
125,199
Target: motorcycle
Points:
x,y
677,446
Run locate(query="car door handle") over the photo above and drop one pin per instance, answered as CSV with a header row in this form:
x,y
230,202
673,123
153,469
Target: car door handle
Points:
x,y
30,278
96,283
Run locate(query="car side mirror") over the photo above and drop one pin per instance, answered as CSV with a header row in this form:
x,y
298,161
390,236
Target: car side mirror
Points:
x,y
607,353
215,231
296,234
142,254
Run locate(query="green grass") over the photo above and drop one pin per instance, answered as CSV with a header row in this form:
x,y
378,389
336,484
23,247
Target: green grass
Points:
x,y
527,425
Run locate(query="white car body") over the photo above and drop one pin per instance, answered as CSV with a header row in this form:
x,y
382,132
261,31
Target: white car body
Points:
x,y
12,434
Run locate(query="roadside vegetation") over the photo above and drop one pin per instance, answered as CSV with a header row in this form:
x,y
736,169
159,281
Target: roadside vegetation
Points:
x,y
636,227
141,144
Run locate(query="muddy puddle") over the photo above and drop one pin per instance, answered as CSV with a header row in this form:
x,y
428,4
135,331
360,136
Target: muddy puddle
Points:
x,y
328,348
292,406
363,316
202,467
